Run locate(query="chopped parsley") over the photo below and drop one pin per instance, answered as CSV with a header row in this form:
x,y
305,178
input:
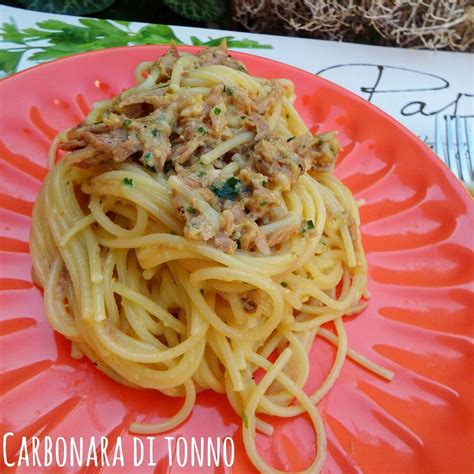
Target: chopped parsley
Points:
x,y
155,132
148,159
128,182
230,189
228,90
168,166
127,122
263,203
191,210
243,117
284,284
201,173
307,226
202,130
245,420
289,139
217,111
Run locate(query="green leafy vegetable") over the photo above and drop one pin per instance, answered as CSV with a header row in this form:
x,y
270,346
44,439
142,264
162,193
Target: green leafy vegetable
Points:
x,y
12,34
52,39
128,182
9,60
198,10
230,189
231,43
68,7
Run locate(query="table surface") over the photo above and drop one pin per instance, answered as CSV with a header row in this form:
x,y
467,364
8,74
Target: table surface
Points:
x,y
412,86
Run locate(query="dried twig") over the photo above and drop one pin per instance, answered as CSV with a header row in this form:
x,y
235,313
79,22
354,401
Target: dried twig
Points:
x,y
437,24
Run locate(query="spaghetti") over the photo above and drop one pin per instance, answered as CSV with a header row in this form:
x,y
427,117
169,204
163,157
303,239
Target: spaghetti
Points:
x,y
192,233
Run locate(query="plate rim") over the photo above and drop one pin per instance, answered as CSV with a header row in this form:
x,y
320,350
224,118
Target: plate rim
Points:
x,y
405,133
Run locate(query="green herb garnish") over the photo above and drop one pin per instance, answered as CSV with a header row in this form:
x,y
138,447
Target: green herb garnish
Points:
x,y
227,190
228,90
202,130
289,139
127,122
201,173
217,111
148,159
263,203
155,132
307,226
128,182
191,210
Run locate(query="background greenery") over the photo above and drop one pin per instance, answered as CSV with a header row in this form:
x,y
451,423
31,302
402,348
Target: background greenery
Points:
x,y
177,12
52,39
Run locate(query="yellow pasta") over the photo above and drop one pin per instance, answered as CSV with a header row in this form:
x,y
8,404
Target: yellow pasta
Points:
x,y
155,308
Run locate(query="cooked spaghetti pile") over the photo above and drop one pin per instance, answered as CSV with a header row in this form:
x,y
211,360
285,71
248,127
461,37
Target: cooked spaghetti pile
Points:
x,y
193,233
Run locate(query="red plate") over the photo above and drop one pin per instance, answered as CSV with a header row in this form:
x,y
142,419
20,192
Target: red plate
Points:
x,y
417,229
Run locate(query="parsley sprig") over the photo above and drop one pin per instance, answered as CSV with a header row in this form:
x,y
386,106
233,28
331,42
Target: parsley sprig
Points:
x,y
52,39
